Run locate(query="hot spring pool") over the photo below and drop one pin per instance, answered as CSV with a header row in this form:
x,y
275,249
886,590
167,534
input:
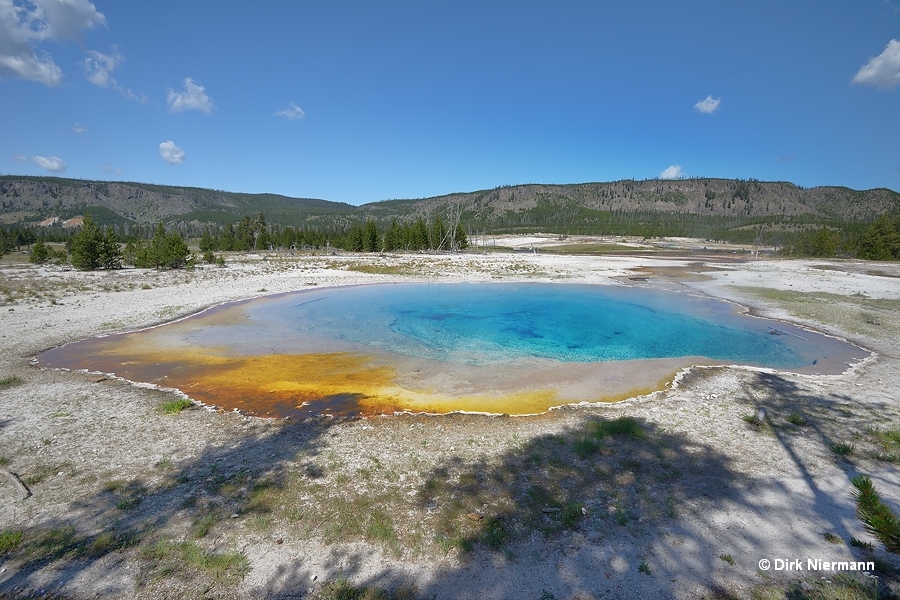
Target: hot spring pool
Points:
x,y
482,347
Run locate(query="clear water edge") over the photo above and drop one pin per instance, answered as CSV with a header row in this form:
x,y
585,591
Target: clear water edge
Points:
x,y
849,360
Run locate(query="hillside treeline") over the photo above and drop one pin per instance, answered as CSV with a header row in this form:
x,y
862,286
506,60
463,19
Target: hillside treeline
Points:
x,y
878,241
14,237
881,241
801,236
91,246
254,234
736,229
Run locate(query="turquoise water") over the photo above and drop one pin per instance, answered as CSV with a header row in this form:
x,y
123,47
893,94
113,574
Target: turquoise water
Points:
x,y
484,323
438,348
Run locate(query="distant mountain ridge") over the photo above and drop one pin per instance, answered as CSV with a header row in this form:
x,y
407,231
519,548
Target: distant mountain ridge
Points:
x,y
34,199
702,196
38,198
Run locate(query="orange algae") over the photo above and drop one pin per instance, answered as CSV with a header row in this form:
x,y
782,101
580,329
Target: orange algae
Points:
x,y
270,385
284,385
342,384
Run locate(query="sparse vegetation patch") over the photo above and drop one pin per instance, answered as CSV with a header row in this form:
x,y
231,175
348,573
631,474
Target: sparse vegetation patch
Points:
x,y
173,407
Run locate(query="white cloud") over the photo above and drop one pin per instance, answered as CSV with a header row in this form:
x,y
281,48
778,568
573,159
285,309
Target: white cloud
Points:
x,y
673,172
192,98
79,128
32,68
54,164
65,19
292,113
111,169
884,70
171,153
708,105
26,23
98,68
20,158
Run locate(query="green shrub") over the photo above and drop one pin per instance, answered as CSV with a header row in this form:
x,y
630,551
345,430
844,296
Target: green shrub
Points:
x,y
796,419
104,543
202,525
571,514
9,381
176,406
586,446
223,566
164,251
9,540
380,526
856,543
621,427
752,419
842,448
54,543
494,533
877,518
40,253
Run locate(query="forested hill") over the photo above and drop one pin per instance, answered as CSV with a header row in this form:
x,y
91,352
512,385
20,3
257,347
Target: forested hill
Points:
x,y
519,205
36,199
534,206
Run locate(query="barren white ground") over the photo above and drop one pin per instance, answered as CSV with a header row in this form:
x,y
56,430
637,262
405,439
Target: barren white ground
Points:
x,y
773,498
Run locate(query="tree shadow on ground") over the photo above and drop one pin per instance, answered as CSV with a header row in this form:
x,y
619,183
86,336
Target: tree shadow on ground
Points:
x,y
625,508
123,539
591,511
606,507
833,419
794,413
789,410
808,425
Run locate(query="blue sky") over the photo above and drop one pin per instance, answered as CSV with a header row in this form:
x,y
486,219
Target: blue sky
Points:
x,y
367,101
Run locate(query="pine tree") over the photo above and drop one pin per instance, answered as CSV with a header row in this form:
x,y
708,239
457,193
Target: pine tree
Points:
x,y
87,245
165,251
40,253
460,240
227,242
262,240
354,241
881,241
111,256
370,237
419,236
260,233
438,234
393,237
206,242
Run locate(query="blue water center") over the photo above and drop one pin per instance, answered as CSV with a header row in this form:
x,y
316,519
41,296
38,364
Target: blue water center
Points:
x,y
485,323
